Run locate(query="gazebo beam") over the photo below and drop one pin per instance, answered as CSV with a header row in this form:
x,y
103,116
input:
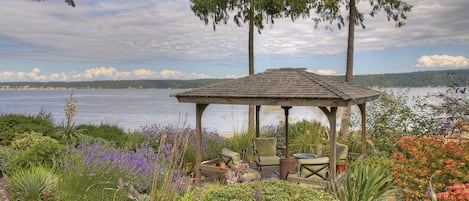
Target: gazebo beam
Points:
x,y
273,101
200,108
331,116
363,114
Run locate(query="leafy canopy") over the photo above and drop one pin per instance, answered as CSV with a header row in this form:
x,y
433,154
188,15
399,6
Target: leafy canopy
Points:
x,y
69,2
243,11
395,11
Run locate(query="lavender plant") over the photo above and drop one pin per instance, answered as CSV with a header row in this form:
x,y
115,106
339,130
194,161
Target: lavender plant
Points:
x,y
98,169
98,165
212,142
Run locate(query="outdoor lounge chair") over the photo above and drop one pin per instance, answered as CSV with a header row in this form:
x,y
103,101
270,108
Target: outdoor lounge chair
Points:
x,y
232,159
265,152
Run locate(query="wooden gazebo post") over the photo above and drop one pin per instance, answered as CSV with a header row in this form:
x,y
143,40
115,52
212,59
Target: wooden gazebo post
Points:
x,y
258,108
331,116
363,114
198,140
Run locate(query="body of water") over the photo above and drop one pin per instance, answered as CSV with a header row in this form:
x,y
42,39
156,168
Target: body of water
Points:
x,y
131,109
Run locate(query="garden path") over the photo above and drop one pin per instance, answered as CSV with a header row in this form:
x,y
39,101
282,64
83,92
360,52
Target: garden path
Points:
x,y
4,192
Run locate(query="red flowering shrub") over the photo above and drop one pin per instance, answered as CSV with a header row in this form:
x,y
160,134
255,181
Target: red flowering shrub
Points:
x,y
456,192
421,157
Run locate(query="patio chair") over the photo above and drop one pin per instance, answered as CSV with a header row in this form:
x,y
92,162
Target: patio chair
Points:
x,y
317,169
265,152
313,172
232,159
341,152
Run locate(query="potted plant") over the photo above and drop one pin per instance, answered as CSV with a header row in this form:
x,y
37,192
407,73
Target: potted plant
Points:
x,y
341,166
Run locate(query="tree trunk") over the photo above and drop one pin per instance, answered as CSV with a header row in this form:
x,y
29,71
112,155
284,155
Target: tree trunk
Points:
x,y
345,124
251,124
351,38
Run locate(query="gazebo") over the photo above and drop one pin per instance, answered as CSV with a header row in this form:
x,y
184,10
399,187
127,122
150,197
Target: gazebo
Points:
x,y
285,87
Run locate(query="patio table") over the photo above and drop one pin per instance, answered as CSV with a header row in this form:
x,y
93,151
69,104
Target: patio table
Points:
x,y
304,156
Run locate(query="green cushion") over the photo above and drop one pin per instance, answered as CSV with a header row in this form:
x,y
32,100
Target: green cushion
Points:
x,y
268,160
266,146
235,157
341,151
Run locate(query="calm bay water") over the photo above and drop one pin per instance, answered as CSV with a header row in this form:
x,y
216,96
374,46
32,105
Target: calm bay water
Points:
x,y
131,109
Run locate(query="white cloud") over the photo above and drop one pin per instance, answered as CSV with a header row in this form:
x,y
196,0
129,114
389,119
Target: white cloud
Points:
x,y
442,61
326,72
170,73
98,73
235,76
33,75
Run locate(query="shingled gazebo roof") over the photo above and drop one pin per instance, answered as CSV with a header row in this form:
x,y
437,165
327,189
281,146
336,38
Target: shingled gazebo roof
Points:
x,y
286,86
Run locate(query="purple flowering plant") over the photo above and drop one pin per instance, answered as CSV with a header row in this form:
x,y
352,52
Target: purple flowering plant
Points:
x,y
85,164
238,174
212,142
155,167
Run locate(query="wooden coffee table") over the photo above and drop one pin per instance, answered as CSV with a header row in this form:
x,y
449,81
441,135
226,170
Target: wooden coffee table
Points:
x,y
212,167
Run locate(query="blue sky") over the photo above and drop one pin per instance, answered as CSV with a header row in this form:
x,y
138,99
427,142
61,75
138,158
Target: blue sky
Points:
x,y
163,39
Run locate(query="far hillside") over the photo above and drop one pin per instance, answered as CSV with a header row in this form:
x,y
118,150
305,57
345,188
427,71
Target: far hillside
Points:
x,y
413,79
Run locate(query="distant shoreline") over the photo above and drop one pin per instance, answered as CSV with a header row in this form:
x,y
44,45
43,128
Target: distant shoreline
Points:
x,y
444,78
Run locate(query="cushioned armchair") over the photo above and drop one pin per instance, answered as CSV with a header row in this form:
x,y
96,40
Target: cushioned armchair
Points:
x,y
315,171
265,152
232,159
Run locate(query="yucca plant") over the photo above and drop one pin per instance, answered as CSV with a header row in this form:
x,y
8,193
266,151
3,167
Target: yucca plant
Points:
x,y
68,131
34,184
363,182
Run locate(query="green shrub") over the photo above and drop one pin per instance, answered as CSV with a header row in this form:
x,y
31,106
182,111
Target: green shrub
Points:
x,y
12,124
308,137
110,133
385,163
262,190
24,141
42,153
241,140
34,184
80,187
133,140
388,119
438,111
6,153
363,182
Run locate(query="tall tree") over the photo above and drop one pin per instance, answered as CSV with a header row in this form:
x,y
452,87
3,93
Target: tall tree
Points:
x,y
395,10
254,12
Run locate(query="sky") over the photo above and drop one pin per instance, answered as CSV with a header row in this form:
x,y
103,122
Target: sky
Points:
x,y
163,39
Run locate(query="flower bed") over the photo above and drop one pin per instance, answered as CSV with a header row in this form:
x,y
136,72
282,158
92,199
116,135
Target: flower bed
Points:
x,y
419,158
